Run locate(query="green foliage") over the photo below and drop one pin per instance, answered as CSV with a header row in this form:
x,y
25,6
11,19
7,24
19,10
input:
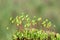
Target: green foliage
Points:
x,y
36,34
27,30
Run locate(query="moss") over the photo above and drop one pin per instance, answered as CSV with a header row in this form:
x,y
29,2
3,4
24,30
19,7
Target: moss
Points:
x,y
27,29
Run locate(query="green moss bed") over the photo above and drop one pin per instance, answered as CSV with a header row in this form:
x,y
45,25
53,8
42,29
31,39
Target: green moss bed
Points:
x,y
33,28
36,35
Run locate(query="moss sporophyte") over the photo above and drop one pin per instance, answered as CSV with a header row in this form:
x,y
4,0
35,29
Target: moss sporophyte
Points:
x,y
33,28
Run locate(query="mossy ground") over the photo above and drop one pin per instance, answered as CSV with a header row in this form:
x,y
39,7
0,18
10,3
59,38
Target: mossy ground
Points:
x,y
34,28
36,35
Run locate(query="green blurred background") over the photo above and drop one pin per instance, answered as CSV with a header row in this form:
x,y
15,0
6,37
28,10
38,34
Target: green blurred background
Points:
x,y
44,8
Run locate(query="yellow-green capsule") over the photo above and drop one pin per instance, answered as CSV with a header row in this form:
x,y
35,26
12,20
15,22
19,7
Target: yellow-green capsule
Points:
x,y
46,20
28,24
16,17
17,24
33,21
21,16
49,24
34,16
43,22
54,25
28,19
7,28
26,15
22,19
10,18
20,22
44,25
17,20
25,25
39,19
13,21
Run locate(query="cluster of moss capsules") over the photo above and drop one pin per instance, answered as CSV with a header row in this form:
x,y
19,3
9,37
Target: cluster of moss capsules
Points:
x,y
33,28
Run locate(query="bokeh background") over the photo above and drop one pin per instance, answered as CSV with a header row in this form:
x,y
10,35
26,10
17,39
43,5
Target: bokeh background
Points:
x,y
44,8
